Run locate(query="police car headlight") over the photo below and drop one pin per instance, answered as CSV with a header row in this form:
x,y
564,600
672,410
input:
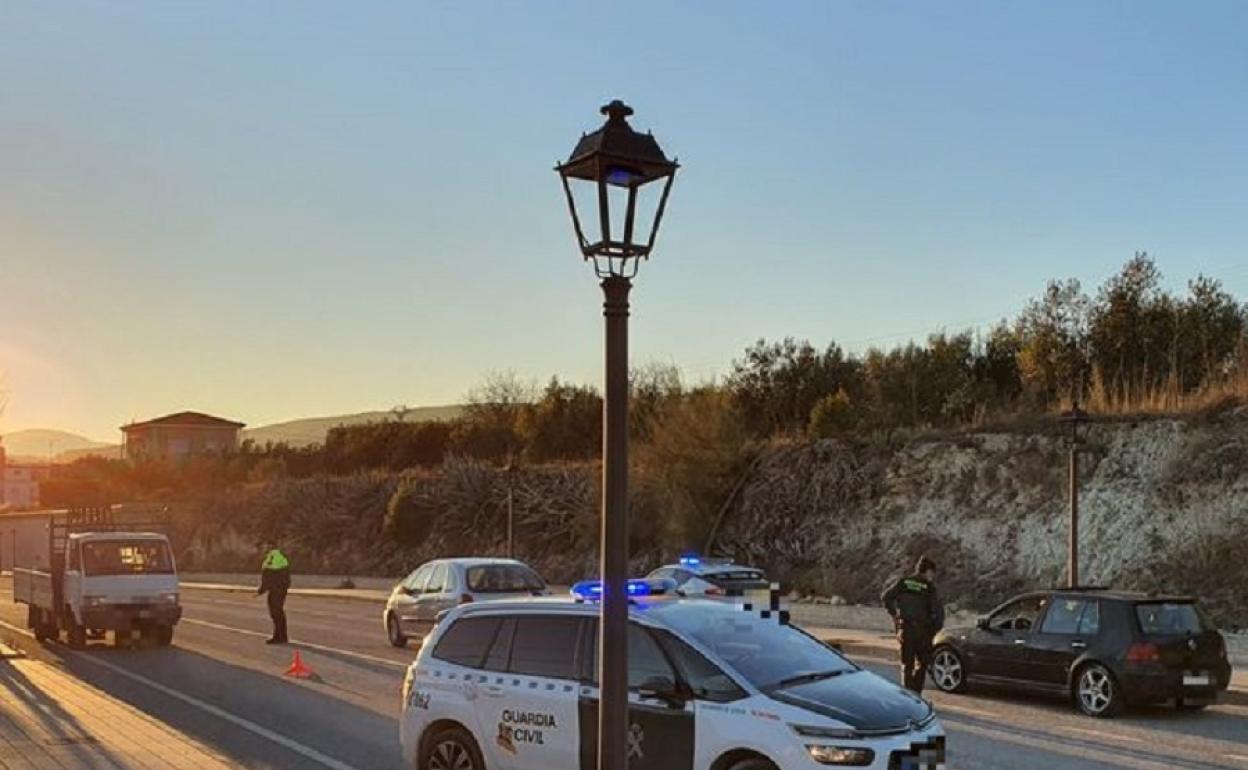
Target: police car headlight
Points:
x,y
834,733
839,755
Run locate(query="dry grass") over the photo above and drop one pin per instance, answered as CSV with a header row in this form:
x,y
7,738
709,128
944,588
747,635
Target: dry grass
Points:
x,y
1167,399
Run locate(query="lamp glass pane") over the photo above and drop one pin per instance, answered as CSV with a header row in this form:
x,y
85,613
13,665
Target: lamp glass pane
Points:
x,y
585,198
647,206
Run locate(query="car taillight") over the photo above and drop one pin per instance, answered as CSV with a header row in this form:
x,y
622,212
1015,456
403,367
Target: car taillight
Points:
x,y
714,591
465,598
1143,652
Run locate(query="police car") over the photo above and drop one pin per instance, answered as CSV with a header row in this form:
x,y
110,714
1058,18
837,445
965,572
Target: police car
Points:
x,y
709,576
510,685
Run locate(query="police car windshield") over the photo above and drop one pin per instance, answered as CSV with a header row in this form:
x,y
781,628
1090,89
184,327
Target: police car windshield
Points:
x,y
768,654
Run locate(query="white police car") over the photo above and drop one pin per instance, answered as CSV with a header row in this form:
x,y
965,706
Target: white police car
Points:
x,y
510,685
712,576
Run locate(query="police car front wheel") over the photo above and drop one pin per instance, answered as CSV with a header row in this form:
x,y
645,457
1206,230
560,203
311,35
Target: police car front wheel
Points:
x,y
752,763
450,748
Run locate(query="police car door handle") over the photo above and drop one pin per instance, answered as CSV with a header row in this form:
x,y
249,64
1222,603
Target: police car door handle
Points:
x,y
1078,645
1020,641
493,690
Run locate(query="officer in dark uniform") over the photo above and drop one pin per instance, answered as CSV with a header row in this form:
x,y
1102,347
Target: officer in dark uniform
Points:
x,y
275,581
917,612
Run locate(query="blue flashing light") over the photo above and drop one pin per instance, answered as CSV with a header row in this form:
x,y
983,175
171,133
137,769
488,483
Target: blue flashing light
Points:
x,y
690,560
591,590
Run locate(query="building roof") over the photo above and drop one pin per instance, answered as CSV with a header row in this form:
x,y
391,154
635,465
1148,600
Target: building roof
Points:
x,y
185,420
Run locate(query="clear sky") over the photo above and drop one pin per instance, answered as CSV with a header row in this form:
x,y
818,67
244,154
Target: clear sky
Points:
x,y
272,210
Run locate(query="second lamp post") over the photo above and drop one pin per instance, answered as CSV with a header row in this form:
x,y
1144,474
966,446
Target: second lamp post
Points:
x,y
610,172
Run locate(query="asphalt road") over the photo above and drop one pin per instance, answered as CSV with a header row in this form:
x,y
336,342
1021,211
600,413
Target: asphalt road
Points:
x,y
222,685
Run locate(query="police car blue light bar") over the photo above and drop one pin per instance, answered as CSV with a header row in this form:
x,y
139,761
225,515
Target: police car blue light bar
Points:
x,y
693,561
591,590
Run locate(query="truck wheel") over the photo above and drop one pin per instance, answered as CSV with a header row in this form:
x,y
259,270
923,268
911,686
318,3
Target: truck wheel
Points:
x,y
77,636
164,635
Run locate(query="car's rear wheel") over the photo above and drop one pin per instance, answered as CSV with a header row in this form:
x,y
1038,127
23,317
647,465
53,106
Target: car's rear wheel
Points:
x,y
753,763
948,670
393,632
451,748
1096,691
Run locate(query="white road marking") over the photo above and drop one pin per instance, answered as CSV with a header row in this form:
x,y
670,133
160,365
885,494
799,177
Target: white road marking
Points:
x,y
288,743
1104,735
1237,757
307,645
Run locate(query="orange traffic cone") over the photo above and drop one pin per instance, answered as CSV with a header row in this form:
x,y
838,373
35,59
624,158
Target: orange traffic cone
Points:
x,y
298,669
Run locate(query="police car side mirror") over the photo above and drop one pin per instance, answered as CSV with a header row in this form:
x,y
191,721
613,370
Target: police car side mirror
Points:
x,y
982,623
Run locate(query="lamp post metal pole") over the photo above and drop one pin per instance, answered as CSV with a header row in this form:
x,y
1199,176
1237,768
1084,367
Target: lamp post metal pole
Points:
x,y
510,470
613,628
510,527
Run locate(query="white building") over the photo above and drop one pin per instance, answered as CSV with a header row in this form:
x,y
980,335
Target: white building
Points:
x,y
19,483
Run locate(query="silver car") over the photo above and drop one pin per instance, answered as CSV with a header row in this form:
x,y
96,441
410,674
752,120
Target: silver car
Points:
x,y
414,604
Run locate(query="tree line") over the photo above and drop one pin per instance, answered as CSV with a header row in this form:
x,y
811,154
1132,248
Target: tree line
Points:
x,y
1132,346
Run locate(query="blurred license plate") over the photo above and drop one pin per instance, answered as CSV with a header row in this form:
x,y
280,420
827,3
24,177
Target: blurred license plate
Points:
x,y
1195,680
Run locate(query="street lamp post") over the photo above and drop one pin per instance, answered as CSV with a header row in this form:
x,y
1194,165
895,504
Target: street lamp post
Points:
x,y
612,170
510,469
1076,420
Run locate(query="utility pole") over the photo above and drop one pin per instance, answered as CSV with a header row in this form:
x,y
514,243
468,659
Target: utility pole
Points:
x,y
1077,420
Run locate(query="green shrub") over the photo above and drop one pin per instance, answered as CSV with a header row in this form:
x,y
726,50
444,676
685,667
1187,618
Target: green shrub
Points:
x,y
409,516
832,416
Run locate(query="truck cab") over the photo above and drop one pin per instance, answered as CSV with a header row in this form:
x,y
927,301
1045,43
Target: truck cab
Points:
x,y
122,581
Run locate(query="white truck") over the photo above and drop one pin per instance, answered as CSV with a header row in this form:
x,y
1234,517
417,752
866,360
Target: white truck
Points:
x,y
90,571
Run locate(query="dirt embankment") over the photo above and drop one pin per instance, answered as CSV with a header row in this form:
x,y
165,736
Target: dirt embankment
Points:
x,y
1164,506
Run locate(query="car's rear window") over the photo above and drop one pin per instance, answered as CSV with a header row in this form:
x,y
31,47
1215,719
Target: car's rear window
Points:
x,y
503,578
736,574
1170,618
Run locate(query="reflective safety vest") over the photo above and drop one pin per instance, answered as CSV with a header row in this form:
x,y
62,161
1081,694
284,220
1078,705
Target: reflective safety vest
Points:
x,y
275,559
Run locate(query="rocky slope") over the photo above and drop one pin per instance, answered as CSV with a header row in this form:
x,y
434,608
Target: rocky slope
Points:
x,y
1164,507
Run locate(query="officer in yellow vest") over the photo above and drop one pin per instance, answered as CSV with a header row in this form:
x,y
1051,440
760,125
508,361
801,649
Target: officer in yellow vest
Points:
x,y
275,581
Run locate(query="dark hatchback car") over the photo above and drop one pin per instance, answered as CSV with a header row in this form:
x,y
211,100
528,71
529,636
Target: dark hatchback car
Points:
x,y
1104,649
